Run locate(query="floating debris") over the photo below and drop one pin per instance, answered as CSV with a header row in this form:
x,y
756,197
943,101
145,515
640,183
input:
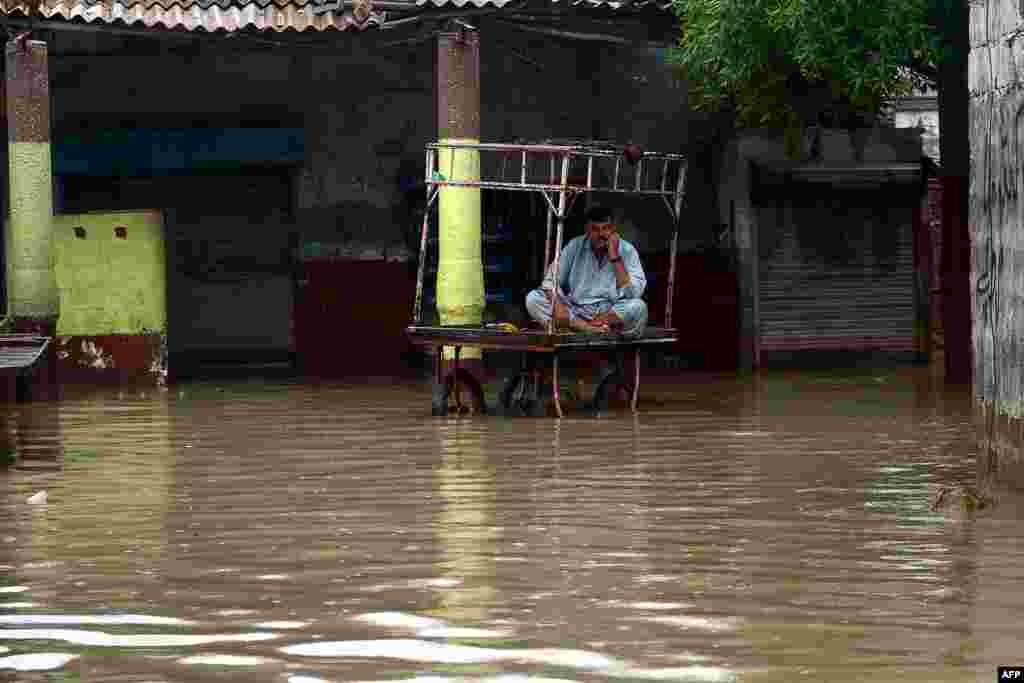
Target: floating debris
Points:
x,y
960,497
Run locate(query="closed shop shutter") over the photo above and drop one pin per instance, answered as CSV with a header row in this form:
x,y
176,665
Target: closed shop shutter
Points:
x,y
836,270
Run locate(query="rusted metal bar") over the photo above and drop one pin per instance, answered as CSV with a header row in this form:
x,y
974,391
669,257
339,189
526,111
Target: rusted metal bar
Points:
x,y
551,211
417,307
547,238
438,361
636,379
456,386
668,205
552,149
494,184
551,204
558,236
554,385
680,186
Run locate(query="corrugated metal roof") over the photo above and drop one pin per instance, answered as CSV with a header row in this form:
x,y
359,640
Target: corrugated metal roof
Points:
x,y
268,15
265,15
577,4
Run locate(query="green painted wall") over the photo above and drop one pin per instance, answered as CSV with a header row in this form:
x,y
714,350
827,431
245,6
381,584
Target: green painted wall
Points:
x,y
110,285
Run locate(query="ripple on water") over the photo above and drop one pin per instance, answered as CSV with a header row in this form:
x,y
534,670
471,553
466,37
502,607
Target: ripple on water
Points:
x,y
443,653
228,660
39,661
770,525
100,619
101,639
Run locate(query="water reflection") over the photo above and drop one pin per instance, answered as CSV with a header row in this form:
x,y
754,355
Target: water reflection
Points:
x,y
770,528
79,453
465,527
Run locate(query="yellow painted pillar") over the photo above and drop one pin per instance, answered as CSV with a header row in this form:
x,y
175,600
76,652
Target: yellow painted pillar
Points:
x,y
460,278
32,298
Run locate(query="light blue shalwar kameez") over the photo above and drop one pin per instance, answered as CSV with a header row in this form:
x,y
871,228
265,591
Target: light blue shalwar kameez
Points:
x,y
588,287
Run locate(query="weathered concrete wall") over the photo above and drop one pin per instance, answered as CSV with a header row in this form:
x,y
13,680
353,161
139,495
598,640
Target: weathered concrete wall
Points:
x,y
111,277
997,151
111,273
738,211
367,113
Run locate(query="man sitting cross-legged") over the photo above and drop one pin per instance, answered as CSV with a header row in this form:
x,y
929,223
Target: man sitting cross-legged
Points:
x,y
600,283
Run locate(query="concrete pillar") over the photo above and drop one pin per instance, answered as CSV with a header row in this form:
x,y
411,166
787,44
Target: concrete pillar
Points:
x,y
460,279
32,300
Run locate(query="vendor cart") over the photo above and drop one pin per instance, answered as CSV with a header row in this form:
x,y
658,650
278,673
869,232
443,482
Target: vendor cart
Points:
x,y
560,171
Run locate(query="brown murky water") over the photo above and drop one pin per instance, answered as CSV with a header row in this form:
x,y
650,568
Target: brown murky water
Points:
x,y
775,529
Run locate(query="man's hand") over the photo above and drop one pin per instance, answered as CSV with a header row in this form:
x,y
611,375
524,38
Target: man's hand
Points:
x,y
613,245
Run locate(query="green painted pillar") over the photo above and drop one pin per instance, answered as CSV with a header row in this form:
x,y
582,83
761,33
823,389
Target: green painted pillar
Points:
x,y
460,277
32,299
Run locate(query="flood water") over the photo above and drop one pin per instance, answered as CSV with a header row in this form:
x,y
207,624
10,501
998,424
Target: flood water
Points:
x,y
775,528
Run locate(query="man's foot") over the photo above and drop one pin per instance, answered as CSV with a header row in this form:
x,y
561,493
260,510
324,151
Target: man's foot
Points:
x,y
587,327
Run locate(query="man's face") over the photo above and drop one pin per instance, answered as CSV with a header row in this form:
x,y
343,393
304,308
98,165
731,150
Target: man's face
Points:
x,y
599,234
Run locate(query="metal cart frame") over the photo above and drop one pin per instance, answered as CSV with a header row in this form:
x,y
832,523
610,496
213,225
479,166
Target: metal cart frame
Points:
x,y
560,172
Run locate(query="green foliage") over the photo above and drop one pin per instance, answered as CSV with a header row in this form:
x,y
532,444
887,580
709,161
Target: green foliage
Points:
x,y
792,63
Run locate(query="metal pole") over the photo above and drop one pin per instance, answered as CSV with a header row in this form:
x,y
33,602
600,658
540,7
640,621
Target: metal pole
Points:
x,y
636,378
558,239
547,239
547,243
417,307
456,384
554,385
558,252
677,214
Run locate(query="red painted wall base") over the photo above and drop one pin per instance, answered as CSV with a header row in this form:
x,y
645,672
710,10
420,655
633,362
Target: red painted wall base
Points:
x,y
109,359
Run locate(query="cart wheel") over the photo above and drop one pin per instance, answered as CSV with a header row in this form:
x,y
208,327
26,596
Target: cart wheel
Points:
x,y
513,394
470,386
508,392
534,407
611,382
439,399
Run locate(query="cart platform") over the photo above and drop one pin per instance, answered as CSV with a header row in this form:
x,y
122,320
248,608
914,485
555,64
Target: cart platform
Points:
x,y
534,340
523,392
